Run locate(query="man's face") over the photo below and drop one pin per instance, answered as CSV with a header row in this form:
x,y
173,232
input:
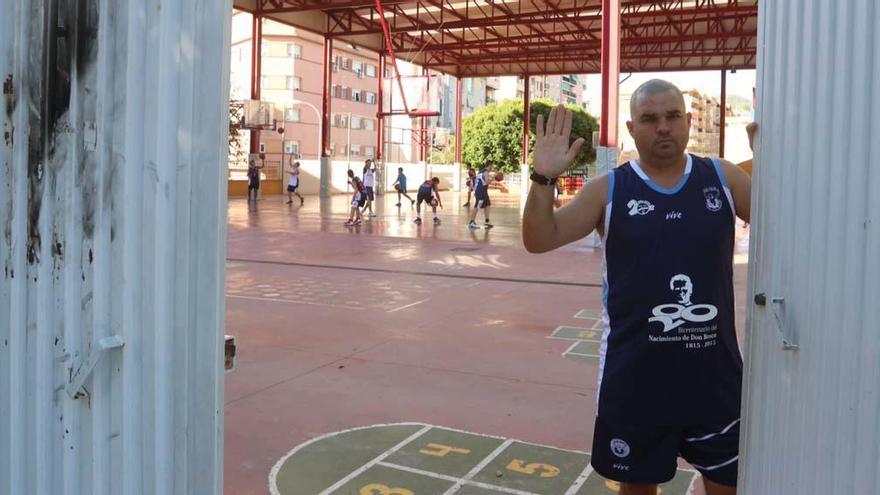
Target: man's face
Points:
x,y
660,126
681,289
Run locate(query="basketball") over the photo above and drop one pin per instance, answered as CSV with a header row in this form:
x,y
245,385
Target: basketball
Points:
x,y
434,202
280,130
499,176
397,187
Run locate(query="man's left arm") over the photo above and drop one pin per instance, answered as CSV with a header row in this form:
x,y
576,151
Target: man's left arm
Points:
x,y
740,188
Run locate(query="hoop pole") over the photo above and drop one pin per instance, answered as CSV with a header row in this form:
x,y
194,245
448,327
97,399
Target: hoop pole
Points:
x,y
388,45
380,118
458,133
256,70
327,80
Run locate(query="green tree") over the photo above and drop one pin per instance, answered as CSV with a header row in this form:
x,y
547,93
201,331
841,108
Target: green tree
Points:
x,y
493,134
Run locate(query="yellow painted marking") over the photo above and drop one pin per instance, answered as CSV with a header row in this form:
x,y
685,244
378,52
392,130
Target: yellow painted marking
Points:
x,y
377,489
587,334
614,486
519,466
439,450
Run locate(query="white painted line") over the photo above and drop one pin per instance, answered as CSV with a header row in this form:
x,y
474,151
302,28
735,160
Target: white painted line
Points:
x,y
581,354
289,301
479,467
375,461
409,305
570,348
581,479
273,475
511,491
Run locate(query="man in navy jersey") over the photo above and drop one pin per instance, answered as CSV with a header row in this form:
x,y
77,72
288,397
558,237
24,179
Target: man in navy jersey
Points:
x,y
670,371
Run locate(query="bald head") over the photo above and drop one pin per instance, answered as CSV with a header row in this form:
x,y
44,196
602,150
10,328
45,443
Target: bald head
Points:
x,y
651,88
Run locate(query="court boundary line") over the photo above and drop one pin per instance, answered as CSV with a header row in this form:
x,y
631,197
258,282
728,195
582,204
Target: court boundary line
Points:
x,y
273,474
423,274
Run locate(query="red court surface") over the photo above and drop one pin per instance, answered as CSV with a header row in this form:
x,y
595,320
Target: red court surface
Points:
x,y
339,328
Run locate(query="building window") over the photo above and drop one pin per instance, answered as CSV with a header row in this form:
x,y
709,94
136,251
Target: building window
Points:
x,y
262,147
357,67
355,122
355,150
264,82
294,50
369,151
370,98
333,91
339,120
346,63
370,70
291,148
356,96
291,115
294,82
332,149
369,124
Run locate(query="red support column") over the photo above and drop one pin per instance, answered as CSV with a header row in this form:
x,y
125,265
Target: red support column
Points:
x,y
527,86
423,132
610,73
458,133
380,118
723,119
325,96
256,70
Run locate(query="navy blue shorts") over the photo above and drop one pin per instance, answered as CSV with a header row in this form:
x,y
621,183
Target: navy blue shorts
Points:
x,y
370,195
648,454
481,196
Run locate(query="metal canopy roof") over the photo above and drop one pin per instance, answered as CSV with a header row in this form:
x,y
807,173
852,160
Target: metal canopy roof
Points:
x,y
475,38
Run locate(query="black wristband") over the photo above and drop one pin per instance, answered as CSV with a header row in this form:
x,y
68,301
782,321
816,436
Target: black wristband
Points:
x,y
544,181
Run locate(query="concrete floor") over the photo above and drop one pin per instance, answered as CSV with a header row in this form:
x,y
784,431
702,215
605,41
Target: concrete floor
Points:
x,y
339,328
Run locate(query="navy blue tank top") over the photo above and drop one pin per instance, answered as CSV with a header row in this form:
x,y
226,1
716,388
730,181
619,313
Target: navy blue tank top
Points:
x,y
669,353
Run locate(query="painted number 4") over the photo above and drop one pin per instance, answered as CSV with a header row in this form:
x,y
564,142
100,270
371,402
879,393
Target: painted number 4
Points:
x,y
377,489
438,450
547,471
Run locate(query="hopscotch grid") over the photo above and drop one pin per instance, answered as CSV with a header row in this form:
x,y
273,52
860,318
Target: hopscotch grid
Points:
x,y
581,354
379,460
381,457
459,482
581,479
479,467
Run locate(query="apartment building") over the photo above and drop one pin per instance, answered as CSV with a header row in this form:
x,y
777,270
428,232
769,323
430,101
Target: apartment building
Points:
x,y
291,80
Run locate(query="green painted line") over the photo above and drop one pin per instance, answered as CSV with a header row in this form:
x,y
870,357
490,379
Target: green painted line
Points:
x,y
584,347
318,466
576,333
534,469
379,480
446,452
597,485
589,314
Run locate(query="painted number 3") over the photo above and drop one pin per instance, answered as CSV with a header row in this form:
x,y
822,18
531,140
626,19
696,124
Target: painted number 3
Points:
x,y
547,471
377,489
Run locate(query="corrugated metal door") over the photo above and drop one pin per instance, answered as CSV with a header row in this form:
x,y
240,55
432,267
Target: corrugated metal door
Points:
x,y
812,399
112,211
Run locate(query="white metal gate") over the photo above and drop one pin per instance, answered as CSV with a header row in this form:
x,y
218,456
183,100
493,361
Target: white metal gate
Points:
x,y
812,398
113,220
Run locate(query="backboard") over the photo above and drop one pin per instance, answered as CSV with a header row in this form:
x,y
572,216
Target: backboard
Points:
x,y
415,96
258,115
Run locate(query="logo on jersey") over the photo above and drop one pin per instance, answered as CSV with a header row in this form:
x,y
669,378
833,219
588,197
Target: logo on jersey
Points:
x,y
639,207
713,198
619,448
673,215
672,316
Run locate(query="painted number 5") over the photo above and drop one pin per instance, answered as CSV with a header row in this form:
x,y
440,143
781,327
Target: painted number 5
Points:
x,y
377,489
547,471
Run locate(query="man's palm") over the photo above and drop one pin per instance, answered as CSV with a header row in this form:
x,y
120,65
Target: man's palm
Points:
x,y
553,155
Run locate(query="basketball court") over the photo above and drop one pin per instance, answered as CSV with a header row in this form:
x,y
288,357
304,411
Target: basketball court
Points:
x,y
396,357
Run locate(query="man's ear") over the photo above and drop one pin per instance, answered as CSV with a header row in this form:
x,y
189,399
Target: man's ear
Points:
x,y
629,127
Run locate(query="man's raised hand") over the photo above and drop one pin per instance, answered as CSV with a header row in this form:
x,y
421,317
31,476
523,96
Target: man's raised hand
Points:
x,y
553,155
